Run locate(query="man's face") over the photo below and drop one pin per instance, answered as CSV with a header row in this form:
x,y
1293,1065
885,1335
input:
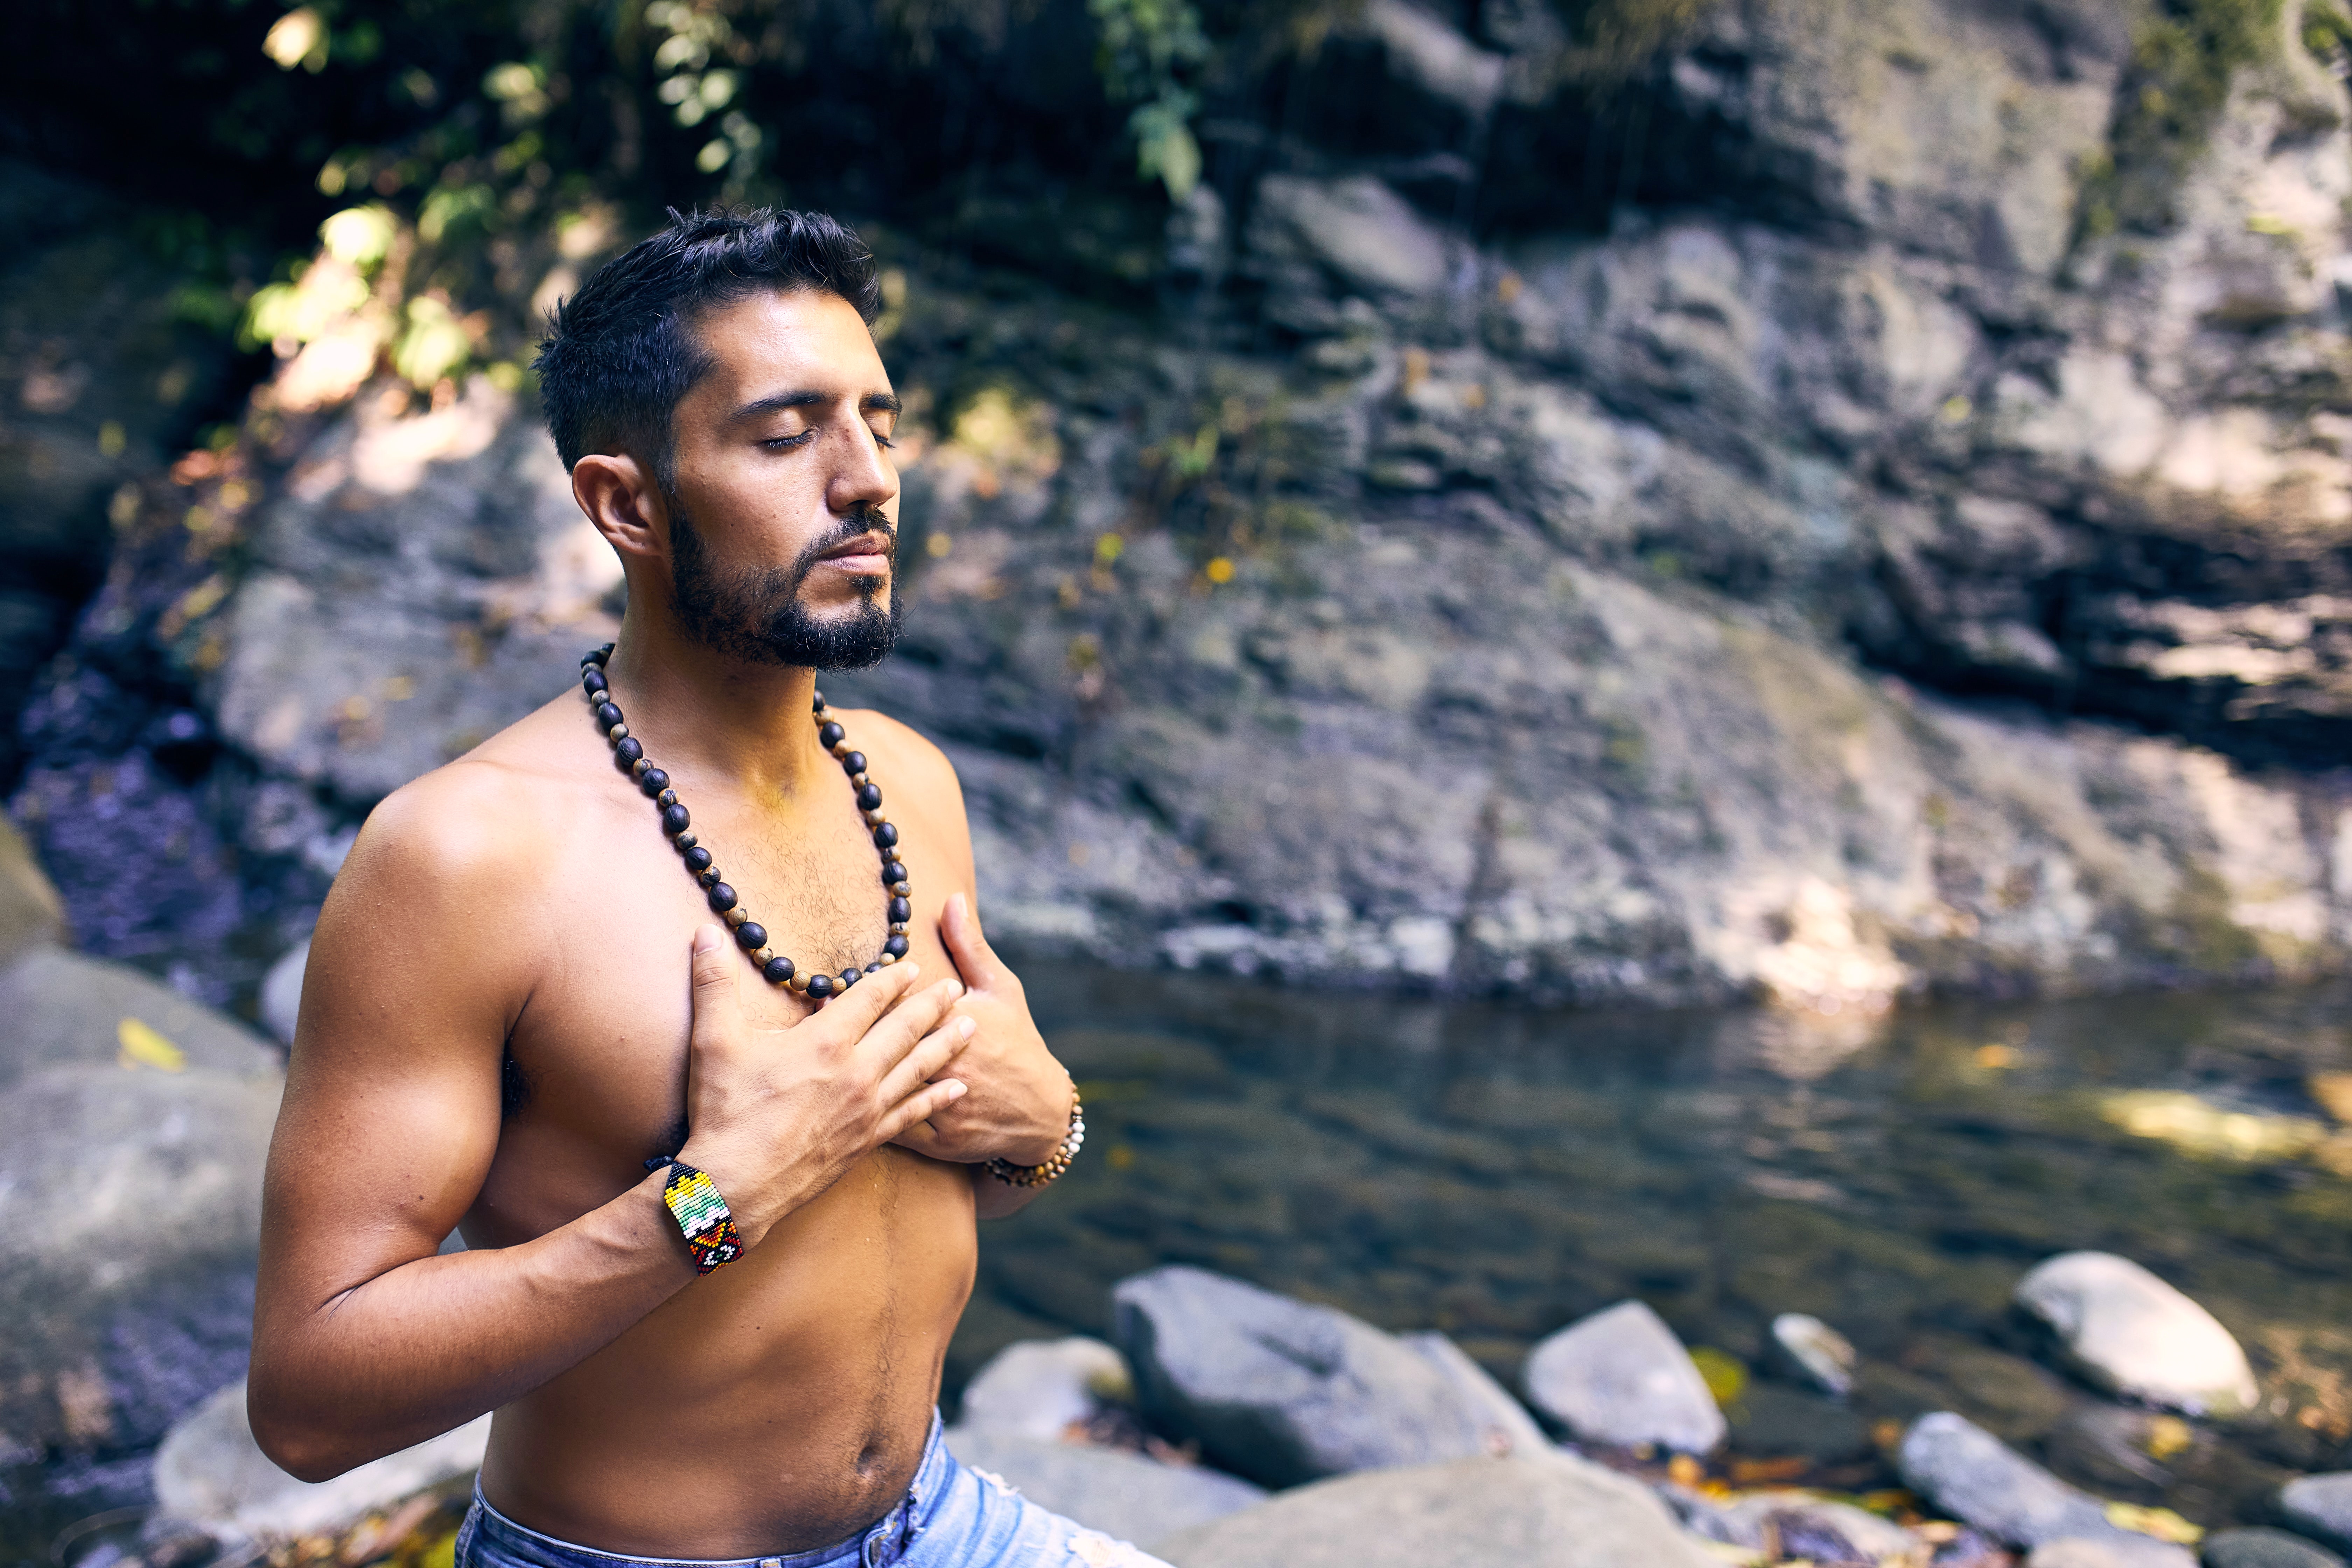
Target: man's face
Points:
x,y
784,509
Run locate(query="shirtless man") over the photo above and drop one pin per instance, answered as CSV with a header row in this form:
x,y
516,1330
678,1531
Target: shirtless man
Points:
x,y
517,996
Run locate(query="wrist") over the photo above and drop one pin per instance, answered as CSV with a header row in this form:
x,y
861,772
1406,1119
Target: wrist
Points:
x,y
692,1214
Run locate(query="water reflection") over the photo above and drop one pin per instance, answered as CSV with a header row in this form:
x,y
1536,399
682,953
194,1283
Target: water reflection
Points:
x,y
1496,1172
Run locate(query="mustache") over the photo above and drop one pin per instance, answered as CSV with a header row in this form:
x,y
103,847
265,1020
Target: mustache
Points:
x,y
862,519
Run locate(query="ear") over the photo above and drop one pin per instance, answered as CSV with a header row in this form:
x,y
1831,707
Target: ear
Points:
x,y
619,496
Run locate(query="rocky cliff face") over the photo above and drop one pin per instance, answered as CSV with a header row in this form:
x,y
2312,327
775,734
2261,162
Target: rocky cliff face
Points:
x,y
1849,572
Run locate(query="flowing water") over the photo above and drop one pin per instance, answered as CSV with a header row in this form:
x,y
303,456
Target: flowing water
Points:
x,y
1497,1173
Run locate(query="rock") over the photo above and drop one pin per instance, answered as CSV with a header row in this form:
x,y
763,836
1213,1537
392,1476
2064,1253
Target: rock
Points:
x,y
1621,1377
1548,1511
1122,1494
2320,1507
210,1472
29,910
1362,233
1040,1388
1804,1525
2134,1335
147,1117
2110,1551
1979,1481
1815,1351
2262,1548
1283,1392
281,991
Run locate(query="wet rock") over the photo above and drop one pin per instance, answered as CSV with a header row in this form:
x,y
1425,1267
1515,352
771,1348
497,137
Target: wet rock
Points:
x,y
281,991
1283,1392
2134,1335
1974,1477
2320,1507
2262,1548
1122,1494
147,1117
210,1471
1621,1377
29,910
2110,1551
1551,1510
1820,1529
1815,1351
1041,1388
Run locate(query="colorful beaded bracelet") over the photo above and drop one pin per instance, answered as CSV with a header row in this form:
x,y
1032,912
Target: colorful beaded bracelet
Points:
x,y
1056,1162
694,1202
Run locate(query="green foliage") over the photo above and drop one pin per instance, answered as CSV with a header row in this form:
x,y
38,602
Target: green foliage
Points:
x,y
1148,47
2179,82
2327,32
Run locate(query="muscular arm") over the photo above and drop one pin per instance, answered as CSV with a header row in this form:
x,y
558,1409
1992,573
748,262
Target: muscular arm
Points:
x,y
365,1340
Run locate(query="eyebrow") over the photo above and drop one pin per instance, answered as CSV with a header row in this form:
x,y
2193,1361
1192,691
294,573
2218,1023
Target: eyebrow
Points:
x,y
872,401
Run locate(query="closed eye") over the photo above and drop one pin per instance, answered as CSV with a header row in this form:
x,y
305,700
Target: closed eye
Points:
x,y
786,443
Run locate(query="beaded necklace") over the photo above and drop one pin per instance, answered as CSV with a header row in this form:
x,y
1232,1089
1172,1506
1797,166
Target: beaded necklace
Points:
x,y
629,755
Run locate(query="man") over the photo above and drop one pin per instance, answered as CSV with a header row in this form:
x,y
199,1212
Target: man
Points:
x,y
520,1019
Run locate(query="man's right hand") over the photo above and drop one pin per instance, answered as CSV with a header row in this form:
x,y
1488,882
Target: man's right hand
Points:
x,y
776,1116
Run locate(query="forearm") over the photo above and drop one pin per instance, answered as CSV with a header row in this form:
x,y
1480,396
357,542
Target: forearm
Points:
x,y
429,1345
994,1199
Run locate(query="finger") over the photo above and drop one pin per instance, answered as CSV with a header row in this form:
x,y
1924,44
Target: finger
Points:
x,y
960,931
932,1053
846,1017
920,1106
718,1010
889,1041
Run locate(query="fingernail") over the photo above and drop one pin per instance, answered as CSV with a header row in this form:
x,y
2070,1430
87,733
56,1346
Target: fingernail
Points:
x,y
954,1088
964,1027
912,970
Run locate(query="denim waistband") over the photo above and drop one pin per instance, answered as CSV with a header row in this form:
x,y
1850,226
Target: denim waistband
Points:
x,y
490,1540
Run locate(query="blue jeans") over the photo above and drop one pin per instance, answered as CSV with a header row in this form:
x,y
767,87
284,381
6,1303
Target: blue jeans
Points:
x,y
950,1517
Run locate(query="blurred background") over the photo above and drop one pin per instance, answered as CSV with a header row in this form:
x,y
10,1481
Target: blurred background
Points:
x,y
1693,649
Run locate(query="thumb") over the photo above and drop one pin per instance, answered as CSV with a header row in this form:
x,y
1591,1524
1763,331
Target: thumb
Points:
x,y
960,932
716,1008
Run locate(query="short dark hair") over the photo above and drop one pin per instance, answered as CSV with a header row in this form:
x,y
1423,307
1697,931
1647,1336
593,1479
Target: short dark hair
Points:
x,y
620,354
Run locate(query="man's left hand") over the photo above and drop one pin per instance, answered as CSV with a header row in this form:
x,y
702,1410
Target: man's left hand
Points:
x,y
1017,1106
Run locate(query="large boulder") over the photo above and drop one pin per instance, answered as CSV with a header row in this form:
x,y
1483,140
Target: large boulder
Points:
x,y
1979,1479
1283,1392
211,1473
2320,1507
1620,1376
133,1127
1122,1494
2134,1335
1040,1388
1542,1511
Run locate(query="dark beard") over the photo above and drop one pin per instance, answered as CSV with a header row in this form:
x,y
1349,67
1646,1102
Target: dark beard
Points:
x,y
756,615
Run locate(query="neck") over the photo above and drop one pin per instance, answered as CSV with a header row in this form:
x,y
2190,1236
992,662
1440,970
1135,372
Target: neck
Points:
x,y
706,716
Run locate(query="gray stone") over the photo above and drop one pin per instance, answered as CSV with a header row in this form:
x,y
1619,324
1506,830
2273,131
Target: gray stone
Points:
x,y
2133,1335
1283,1392
281,991
1620,1376
210,1472
147,1117
2320,1507
2110,1551
1980,1480
1362,233
1742,1522
2262,1548
1040,1388
1550,1511
1122,1494
1815,1351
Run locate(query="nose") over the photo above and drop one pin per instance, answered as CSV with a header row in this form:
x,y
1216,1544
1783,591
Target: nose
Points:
x,y
862,475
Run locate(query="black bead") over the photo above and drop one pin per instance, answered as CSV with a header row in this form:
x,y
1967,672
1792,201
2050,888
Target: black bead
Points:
x,y
830,735
896,947
593,679
849,977
751,936
666,799
627,752
901,910
607,714
723,898
697,859
893,872
779,970
875,968
653,781
675,819
854,763
817,704
820,985
886,835
596,656
709,875
869,797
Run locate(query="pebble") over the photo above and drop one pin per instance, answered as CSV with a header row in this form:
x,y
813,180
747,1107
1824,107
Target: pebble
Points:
x,y
2131,1334
2264,1548
2320,1507
1621,1377
1819,1354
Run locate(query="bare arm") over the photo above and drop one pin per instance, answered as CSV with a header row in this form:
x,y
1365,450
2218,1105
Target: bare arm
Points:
x,y
364,1340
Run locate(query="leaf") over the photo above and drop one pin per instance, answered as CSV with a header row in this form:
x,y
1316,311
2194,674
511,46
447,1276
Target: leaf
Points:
x,y
142,1047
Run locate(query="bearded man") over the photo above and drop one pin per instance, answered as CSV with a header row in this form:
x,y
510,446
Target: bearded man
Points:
x,y
718,1182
